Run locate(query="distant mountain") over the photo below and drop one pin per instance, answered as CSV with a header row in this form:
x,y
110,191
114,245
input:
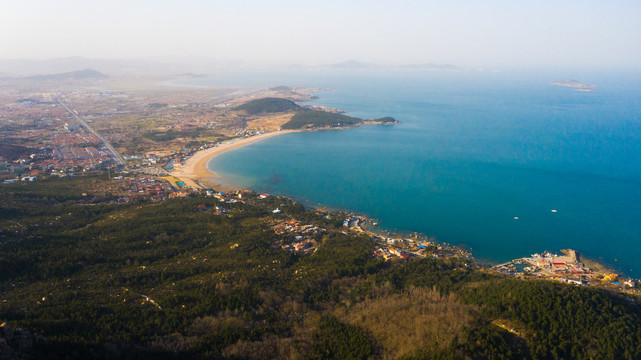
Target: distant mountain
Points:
x,y
351,65
11,68
25,68
72,75
120,67
431,67
114,67
280,88
190,75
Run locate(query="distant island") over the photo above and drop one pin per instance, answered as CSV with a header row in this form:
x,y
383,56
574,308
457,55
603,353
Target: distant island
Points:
x,y
579,86
71,75
355,65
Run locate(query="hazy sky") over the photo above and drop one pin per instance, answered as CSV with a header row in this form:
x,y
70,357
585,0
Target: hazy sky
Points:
x,y
470,33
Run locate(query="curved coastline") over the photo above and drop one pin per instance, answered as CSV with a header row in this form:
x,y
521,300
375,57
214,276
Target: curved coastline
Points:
x,y
194,172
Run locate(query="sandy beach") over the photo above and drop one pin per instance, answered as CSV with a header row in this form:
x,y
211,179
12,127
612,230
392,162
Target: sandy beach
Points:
x,y
194,171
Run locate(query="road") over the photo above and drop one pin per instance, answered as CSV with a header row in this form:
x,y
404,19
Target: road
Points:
x,y
119,159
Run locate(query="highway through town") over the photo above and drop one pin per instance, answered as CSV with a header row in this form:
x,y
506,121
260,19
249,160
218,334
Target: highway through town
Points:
x,y
119,159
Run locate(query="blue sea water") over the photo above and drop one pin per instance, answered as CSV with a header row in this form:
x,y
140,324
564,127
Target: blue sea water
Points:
x,y
474,151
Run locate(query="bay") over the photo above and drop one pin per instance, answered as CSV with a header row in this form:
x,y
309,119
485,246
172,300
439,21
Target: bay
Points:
x,y
474,151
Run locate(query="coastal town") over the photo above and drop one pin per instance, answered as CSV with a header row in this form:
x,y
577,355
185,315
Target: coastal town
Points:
x,y
58,133
156,145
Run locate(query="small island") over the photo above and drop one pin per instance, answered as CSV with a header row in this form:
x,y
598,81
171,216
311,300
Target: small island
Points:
x,y
579,86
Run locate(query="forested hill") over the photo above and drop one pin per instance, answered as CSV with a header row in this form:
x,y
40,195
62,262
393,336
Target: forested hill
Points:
x,y
268,105
201,278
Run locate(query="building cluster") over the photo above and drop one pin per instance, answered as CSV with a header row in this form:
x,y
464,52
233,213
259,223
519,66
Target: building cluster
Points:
x,y
136,187
353,222
388,253
62,161
405,248
140,160
230,197
39,135
217,210
297,237
400,247
69,135
549,265
565,268
325,109
247,132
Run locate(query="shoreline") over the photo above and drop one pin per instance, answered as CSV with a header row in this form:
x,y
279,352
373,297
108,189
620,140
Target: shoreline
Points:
x,y
194,172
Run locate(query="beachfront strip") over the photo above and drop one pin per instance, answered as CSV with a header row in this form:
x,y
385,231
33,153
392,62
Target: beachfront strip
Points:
x,y
393,246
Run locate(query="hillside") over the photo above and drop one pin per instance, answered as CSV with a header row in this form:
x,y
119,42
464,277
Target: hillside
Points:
x,y
201,278
268,105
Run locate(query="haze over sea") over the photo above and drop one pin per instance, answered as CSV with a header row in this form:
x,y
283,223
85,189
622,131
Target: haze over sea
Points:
x,y
474,151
